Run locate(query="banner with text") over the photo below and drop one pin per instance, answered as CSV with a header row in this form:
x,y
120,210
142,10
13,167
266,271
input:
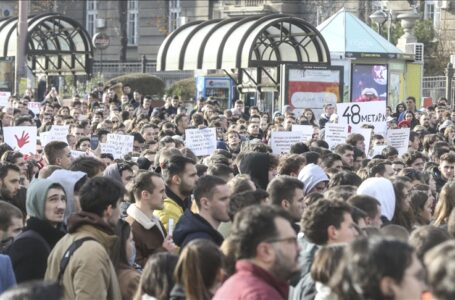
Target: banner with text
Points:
x,y
399,139
4,97
335,134
282,141
360,113
201,141
120,144
306,130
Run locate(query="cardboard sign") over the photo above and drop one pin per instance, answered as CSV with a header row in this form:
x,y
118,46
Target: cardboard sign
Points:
x,y
121,144
34,107
4,97
21,138
201,141
399,139
359,113
307,131
366,133
335,134
282,141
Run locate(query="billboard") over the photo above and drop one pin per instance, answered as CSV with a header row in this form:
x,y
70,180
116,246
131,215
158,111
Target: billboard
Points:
x,y
312,88
369,82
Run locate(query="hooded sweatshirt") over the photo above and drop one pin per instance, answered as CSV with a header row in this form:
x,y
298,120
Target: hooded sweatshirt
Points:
x,y
113,172
68,180
311,175
381,189
37,195
30,249
256,165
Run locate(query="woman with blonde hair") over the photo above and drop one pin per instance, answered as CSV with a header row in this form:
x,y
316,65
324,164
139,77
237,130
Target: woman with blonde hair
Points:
x,y
445,204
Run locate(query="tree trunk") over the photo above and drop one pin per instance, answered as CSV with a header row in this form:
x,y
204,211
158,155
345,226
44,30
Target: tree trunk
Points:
x,y
123,19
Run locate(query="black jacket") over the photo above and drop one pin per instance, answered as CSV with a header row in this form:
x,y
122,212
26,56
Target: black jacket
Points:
x,y
31,248
192,226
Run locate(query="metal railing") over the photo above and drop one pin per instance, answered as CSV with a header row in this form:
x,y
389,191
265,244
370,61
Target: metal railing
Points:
x,y
111,69
250,2
435,87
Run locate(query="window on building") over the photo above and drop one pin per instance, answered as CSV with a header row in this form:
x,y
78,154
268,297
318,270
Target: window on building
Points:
x,y
91,17
432,11
174,14
133,13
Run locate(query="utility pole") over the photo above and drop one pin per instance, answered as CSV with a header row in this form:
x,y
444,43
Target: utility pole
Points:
x,y
22,29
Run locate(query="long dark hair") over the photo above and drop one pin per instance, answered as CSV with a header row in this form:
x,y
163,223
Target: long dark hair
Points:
x,y
119,257
365,262
197,268
402,217
157,278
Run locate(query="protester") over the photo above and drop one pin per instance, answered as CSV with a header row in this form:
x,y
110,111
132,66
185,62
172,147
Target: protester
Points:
x,y
90,273
234,190
46,204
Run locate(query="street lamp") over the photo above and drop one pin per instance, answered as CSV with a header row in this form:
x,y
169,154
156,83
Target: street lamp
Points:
x,y
380,17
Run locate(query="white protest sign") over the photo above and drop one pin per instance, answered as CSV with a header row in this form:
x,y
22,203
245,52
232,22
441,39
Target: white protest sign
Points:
x,y
34,107
307,131
201,141
4,97
366,133
107,148
21,138
377,150
76,154
335,134
358,113
56,133
399,139
282,141
122,144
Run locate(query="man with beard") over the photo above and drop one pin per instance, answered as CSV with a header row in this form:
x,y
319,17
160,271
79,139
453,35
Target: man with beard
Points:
x,y
89,272
10,186
267,250
212,198
180,175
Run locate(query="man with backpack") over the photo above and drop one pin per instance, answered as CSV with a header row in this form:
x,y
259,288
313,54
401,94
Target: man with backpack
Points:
x,y
81,260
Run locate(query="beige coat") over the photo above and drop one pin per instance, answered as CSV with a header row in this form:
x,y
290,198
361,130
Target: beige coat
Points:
x,y
90,273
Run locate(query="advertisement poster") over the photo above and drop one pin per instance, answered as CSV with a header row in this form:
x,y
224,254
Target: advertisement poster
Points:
x,y
312,88
369,83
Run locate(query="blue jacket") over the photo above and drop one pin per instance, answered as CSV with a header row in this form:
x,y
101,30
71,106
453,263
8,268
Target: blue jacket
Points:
x,y
192,226
7,278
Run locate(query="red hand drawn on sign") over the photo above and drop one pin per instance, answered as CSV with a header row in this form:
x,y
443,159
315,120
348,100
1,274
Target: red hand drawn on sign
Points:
x,y
23,140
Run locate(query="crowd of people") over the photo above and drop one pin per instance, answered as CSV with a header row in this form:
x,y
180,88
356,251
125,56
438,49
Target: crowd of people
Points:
x,y
240,223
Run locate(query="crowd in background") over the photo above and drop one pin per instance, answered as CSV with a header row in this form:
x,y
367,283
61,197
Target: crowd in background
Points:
x,y
241,223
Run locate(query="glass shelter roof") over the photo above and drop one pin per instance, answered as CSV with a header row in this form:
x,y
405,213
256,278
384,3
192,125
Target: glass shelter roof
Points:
x,y
240,43
55,44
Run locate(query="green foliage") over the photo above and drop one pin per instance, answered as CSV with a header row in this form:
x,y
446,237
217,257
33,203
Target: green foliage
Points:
x,y
424,31
145,83
185,88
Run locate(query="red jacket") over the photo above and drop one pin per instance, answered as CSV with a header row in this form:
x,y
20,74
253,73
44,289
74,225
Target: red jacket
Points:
x,y
251,282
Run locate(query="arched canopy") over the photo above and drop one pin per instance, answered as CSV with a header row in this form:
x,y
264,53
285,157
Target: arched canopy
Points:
x,y
238,43
55,44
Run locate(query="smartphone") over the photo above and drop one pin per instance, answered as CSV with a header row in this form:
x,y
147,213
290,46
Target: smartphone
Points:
x,y
94,141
